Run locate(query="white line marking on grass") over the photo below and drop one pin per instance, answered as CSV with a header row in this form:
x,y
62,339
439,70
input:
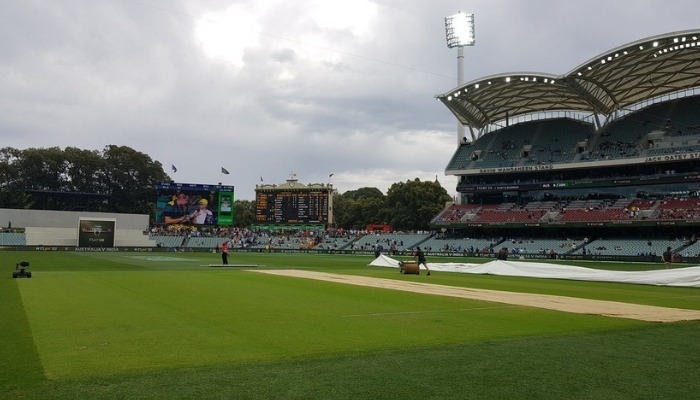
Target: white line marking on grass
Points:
x,y
231,266
162,258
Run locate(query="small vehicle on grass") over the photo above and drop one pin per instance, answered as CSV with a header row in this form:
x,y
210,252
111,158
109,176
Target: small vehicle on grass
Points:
x,y
21,270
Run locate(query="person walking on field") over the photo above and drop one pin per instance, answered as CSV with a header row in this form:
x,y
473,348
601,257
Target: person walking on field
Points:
x,y
667,257
502,254
421,259
224,253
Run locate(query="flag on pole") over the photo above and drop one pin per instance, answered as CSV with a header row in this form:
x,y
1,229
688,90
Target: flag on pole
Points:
x,y
261,179
330,175
173,167
224,171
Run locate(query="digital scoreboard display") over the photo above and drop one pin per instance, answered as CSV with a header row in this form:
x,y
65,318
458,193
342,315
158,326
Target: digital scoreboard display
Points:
x,y
291,207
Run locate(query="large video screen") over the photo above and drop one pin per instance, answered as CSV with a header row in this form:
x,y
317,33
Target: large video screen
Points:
x,y
194,204
291,207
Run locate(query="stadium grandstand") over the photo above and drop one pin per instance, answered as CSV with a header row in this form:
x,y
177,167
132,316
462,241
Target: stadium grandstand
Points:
x,y
609,151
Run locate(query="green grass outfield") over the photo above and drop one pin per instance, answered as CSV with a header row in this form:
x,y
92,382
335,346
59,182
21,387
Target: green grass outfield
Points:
x,y
162,326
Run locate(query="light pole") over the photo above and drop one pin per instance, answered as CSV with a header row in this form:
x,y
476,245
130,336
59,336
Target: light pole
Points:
x,y
459,30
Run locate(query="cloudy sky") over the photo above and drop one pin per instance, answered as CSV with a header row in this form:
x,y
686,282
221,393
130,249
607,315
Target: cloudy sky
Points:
x,y
267,88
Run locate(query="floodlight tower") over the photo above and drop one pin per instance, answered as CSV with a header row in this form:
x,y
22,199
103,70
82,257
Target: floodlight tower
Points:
x,y
459,29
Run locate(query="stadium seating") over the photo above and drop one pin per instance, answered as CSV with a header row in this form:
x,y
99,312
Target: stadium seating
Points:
x,y
204,242
455,213
540,246
509,216
585,215
677,122
459,245
168,241
692,250
678,208
403,241
661,129
557,141
575,211
461,159
630,247
12,239
538,142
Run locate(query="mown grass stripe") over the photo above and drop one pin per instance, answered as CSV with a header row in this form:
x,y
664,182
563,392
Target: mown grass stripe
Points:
x,y
20,364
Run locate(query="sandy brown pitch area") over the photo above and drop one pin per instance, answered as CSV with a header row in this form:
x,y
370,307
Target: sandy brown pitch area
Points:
x,y
558,303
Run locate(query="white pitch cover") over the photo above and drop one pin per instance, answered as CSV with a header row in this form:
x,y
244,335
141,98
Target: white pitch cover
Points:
x,y
682,277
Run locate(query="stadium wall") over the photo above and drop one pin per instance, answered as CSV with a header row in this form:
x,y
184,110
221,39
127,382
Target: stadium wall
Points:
x,y
60,228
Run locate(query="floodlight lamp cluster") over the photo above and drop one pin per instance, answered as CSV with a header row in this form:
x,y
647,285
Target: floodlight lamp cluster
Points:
x,y
507,79
678,44
459,30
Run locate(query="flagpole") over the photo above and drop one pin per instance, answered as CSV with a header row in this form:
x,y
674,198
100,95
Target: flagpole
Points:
x,y
330,201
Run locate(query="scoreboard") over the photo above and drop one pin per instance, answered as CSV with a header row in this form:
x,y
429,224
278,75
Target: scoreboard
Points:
x,y
291,207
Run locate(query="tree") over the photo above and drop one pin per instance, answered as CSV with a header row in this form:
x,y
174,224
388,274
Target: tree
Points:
x,y
358,208
12,188
86,169
244,213
126,178
42,169
38,169
412,204
364,193
131,179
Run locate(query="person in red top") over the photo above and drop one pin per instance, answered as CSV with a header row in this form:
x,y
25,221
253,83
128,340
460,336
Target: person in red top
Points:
x,y
224,253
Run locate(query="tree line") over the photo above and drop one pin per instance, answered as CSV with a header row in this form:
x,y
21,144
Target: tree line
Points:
x,y
122,180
